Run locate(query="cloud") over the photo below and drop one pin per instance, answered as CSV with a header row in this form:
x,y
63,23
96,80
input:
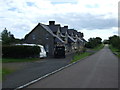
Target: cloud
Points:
x,y
30,3
86,21
21,16
104,33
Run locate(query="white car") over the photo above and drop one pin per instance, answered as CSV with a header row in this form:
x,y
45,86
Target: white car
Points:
x,y
42,50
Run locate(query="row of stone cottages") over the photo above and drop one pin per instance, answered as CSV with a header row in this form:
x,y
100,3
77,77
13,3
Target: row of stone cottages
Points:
x,y
52,35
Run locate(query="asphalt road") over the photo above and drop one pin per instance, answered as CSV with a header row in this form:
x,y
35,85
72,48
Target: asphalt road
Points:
x,y
97,71
34,70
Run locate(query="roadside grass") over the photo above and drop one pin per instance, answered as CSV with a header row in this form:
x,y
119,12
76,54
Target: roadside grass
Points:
x,y
115,50
97,48
80,56
5,71
0,75
10,60
0,70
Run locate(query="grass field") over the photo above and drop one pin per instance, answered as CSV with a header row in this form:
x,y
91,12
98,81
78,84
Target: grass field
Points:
x,y
10,60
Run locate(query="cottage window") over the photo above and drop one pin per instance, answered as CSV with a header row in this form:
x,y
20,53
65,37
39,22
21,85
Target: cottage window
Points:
x,y
33,37
47,35
47,48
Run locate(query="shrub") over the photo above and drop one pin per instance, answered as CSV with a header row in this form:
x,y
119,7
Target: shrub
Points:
x,y
20,51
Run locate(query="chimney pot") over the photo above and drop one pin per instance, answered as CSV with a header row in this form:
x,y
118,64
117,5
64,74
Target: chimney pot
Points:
x,y
51,22
66,27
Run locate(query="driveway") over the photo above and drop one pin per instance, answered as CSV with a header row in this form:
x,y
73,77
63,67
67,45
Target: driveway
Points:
x,y
100,70
32,70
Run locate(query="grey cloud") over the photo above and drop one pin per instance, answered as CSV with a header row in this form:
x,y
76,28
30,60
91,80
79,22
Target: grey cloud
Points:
x,y
76,21
21,27
86,21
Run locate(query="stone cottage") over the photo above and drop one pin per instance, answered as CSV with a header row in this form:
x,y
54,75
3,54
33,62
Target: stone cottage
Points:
x,y
52,35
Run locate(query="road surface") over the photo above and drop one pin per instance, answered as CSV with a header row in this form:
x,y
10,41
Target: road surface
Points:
x,y
97,71
34,70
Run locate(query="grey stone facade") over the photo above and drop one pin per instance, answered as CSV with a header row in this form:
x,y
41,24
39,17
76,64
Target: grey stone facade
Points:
x,y
53,34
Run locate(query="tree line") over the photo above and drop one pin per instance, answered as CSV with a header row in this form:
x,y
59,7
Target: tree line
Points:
x,y
114,41
93,42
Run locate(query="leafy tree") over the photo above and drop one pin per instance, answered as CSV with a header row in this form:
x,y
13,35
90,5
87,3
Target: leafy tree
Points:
x,y
98,40
7,37
93,42
115,41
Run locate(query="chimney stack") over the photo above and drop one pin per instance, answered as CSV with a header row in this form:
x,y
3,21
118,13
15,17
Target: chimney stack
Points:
x,y
66,27
82,35
51,22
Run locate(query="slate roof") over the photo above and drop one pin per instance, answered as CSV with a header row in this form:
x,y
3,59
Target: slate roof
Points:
x,y
70,39
54,28
63,30
47,29
84,40
70,31
75,32
57,39
80,40
82,35
79,34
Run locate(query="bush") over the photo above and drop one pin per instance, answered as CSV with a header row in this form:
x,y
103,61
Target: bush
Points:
x,y
20,51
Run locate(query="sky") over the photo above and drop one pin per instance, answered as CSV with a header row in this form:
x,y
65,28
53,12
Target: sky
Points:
x,y
95,18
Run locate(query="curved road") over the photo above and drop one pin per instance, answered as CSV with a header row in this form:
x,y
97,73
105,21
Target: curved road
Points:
x,y
97,71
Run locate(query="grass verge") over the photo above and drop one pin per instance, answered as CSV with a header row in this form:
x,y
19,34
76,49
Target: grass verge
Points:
x,y
115,50
80,56
9,60
5,71
97,48
0,75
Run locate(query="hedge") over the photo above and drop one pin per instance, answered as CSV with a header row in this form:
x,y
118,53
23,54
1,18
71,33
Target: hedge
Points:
x,y
20,51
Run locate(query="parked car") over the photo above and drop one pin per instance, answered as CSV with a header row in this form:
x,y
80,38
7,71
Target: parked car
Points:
x,y
59,52
42,50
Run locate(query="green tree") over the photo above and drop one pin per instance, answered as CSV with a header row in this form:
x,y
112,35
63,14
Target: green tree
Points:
x,y
7,37
93,42
98,40
115,41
